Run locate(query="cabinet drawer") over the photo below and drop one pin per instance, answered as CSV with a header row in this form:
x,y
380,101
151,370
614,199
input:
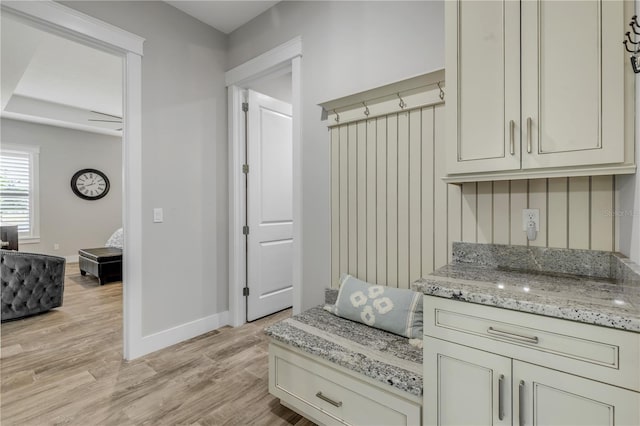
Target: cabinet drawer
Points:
x,y
330,396
591,351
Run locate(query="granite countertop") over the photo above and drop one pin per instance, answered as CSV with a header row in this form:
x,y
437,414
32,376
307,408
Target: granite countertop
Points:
x,y
377,354
606,293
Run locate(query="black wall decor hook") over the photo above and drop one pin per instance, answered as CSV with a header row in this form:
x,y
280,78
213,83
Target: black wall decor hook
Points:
x,y
634,49
634,65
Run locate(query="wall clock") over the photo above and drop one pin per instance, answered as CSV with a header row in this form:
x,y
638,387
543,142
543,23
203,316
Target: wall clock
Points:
x,y
90,184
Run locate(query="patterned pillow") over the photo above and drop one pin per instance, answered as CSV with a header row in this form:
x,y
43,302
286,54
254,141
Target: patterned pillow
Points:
x,y
398,311
115,240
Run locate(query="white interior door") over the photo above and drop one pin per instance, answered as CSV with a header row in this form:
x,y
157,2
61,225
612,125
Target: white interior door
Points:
x,y
269,206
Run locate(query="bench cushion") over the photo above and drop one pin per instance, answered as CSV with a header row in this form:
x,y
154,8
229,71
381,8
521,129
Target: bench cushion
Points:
x,y
102,254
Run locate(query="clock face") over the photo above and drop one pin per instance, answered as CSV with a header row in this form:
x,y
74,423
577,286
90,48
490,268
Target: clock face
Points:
x,y
90,184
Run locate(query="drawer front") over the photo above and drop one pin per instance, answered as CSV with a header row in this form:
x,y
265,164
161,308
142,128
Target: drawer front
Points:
x,y
592,351
331,397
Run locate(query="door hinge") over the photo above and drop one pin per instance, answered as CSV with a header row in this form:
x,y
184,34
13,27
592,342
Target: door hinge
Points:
x,y
245,168
245,291
245,230
245,106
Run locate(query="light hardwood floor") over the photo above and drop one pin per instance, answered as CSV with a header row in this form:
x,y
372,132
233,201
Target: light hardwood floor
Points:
x,y
66,367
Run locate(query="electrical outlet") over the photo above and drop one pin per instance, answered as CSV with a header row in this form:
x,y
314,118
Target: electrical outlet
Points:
x,y
530,215
56,246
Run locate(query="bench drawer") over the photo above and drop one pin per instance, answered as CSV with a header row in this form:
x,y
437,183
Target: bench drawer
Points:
x,y
592,351
330,396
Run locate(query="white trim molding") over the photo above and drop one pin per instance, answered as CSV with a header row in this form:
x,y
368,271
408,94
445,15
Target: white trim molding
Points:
x,y
69,23
65,20
286,56
266,63
180,333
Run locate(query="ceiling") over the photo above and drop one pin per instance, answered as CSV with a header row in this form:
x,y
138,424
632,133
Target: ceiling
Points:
x,y
224,16
52,80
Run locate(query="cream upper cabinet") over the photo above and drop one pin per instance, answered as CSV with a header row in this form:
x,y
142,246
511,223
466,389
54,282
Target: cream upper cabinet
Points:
x,y
552,97
483,80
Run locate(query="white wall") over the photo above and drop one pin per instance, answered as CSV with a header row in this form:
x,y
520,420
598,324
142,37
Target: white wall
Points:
x,y
66,219
184,166
347,47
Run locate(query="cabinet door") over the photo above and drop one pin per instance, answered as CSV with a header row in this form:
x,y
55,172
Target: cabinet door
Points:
x,y
465,386
572,83
547,397
483,82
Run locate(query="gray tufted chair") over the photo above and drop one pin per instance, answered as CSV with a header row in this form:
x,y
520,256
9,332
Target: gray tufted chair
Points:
x,y
31,283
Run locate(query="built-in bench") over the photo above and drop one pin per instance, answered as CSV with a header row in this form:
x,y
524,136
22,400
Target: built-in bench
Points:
x,y
333,370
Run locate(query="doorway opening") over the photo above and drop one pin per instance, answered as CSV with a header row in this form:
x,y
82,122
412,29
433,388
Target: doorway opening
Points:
x,y
57,19
265,191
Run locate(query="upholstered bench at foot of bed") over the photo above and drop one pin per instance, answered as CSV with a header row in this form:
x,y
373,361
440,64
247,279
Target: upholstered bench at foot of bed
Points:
x,y
105,263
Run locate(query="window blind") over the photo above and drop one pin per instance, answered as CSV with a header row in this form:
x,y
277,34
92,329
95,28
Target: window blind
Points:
x,y
15,190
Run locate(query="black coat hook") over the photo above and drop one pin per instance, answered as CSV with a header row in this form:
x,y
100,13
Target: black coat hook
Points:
x,y
628,34
634,51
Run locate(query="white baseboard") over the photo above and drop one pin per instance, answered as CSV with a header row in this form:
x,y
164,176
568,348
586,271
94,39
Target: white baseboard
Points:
x,y
180,333
72,259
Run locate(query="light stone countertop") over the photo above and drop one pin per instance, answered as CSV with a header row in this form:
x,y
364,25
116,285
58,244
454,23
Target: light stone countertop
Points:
x,y
377,354
606,294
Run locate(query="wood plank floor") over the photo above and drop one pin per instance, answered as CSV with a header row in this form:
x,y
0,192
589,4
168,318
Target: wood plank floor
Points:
x,y
66,367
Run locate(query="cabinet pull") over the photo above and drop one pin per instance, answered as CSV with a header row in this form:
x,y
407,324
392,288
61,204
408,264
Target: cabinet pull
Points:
x,y
521,403
529,135
329,400
512,336
512,146
500,405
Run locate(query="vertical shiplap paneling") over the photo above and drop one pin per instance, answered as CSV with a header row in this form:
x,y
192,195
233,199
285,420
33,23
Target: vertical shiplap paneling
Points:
x,y
381,200
485,212
579,211
427,201
403,199
558,202
440,209
602,226
415,195
335,206
469,206
501,212
538,200
352,184
518,202
392,200
394,219
371,201
344,199
454,217
361,137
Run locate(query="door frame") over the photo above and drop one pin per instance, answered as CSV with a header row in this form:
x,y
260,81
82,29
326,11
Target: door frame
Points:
x,y
286,55
71,24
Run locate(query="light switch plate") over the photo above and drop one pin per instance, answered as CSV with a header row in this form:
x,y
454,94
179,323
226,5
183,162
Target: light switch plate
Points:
x,y
530,215
158,215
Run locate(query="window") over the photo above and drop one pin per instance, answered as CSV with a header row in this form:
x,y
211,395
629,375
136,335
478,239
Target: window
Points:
x,y
19,190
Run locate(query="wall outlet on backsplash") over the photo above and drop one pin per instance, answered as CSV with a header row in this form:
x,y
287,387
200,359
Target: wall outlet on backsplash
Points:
x,y
531,223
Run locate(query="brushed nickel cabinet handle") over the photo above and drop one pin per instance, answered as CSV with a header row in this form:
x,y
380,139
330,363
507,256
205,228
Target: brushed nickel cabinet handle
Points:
x,y
512,146
500,404
329,400
512,336
529,135
521,403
